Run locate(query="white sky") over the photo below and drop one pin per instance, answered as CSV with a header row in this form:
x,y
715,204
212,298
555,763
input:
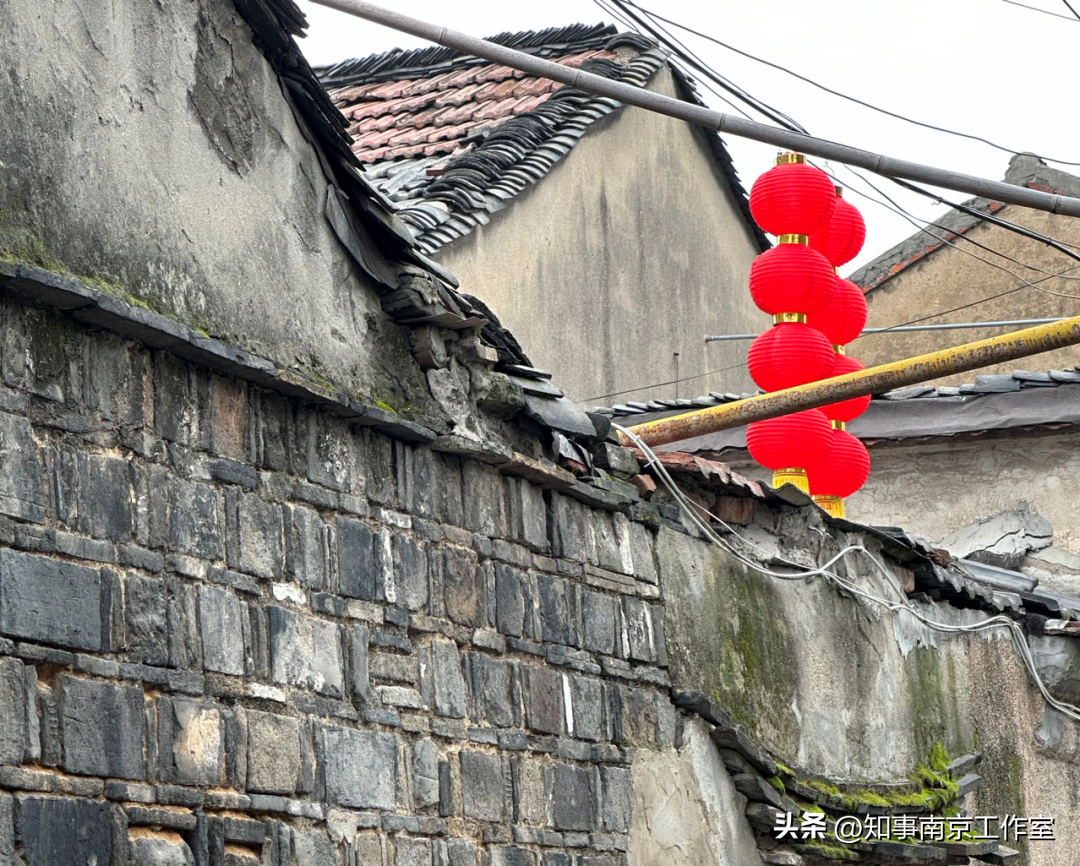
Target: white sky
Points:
x,y
984,67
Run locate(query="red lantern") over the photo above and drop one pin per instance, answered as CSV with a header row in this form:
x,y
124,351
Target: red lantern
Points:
x,y
842,238
790,354
790,443
846,410
844,470
843,320
792,197
792,278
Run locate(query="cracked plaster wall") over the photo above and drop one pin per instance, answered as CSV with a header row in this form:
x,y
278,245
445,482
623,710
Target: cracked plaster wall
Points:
x,y
155,151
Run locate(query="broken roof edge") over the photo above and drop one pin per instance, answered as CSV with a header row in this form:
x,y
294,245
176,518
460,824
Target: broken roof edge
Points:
x,y
1025,170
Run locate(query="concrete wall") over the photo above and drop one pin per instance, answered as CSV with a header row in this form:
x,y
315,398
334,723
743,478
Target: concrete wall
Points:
x,y
951,277
936,487
630,250
154,153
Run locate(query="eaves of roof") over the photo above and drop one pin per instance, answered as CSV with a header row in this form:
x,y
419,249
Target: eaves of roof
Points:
x,y
1024,170
1020,400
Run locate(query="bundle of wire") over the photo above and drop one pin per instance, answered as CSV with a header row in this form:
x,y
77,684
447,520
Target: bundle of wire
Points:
x,y
700,518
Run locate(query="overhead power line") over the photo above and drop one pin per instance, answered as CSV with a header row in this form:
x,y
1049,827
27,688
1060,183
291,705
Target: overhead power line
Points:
x,y
701,116
1076,14
1037,9
657,16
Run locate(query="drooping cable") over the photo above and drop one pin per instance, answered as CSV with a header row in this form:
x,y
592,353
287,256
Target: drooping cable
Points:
x,y
1037,9
658,17
904,605
1069,6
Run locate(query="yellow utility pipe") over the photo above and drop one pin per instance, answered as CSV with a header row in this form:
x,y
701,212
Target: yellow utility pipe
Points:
x,y
875,380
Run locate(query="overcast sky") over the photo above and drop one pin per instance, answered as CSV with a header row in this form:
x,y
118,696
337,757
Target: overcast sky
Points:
x,y
983,67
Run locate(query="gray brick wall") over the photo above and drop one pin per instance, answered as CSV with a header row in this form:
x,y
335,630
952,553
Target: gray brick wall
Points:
x,y
234,629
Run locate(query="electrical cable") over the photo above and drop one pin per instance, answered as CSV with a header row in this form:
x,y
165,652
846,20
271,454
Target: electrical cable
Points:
x,y
656,16
679,49
690,59
1076,14
1037,9
680,380
691,509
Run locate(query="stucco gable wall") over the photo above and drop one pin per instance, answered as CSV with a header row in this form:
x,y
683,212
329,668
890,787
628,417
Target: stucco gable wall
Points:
x,y
630,250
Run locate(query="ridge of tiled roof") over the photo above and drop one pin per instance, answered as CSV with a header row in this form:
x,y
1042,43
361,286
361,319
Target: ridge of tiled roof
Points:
x,y
398,63
1018,380
1024,170
450,138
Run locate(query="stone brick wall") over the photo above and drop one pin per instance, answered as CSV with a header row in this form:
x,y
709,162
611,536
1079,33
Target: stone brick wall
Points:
x,y
234,629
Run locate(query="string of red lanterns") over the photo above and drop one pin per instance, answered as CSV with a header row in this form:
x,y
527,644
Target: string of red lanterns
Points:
x,y
815,314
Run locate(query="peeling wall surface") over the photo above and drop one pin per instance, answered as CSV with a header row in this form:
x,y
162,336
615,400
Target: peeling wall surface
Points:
x,y
240,627
959,482
631,249
157,154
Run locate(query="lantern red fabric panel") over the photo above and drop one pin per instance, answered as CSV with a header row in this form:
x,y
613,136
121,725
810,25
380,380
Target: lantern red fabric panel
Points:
x,y
802,439
844,470
846,410
792,278
792,198
843,320
790,354
842,238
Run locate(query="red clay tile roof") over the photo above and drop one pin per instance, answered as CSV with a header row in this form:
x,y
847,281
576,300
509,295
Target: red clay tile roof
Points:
x,y
450,138
441,114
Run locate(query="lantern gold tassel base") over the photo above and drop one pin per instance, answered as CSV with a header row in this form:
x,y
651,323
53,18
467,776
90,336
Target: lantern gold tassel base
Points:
x,y
794,476
834,505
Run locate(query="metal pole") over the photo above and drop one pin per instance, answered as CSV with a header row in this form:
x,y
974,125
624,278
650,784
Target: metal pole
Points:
x,y
899,329
639,96
911,371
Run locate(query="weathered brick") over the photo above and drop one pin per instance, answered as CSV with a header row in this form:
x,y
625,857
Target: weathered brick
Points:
x,y
23,492
63,830
449,684
356,559
196,753
146,607
511,855
571,796
331,455
543,699
483,786
638,625
411,567
361,767
529,514
222,620
305,652
509,601
103,729
463,587
230,430
274,760
425,773
55,602
255,527
556,610
412,852
587,698
599,617
484,497
490,687
616,799
461,852
14,712
307,549
530,804
358,661
196,513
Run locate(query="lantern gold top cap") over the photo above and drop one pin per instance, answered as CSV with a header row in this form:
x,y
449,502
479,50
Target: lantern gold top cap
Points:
x,y
839,191
789,158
